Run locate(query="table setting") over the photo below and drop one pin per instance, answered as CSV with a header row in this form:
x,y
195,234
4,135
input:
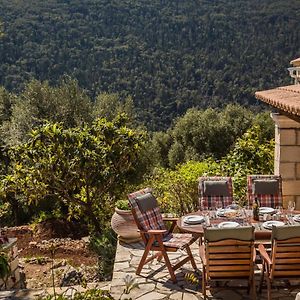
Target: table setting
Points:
x,y
234,216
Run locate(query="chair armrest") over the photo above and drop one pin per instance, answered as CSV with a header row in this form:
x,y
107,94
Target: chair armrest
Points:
x,y
254,254
173,220
202,254
263,253
156,231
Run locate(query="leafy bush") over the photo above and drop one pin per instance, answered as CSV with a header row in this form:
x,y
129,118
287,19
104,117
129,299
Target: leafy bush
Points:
x,y
177,190
253,154
4,266
81,167
122,204
105,247
200,134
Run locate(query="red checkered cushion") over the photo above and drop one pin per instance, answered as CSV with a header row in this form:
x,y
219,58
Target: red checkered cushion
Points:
x,y
178,240
151,219
206,201
269,200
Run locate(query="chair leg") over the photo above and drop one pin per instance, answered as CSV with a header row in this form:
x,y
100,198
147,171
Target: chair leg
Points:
x,y
144,257
253,288
166,258
189,252
269,286
169,266
262,277
204,283
159,257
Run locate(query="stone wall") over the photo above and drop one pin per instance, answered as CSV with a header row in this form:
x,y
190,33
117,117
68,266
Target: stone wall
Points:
x,y
287,157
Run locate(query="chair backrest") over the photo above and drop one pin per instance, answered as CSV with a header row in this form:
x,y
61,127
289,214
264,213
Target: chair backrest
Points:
x,y
229,252
285,253
214,191
145,210
266,188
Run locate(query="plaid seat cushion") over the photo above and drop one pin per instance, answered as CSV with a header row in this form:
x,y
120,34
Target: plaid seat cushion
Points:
x,y
269,200
150,219
178,240
206,201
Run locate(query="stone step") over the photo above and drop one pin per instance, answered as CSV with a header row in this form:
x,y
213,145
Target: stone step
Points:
x,y
32,294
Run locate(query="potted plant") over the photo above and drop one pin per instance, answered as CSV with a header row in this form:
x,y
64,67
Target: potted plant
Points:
x,y
123,224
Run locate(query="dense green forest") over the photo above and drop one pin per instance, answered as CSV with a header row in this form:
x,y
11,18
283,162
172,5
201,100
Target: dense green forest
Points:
x,y
167,55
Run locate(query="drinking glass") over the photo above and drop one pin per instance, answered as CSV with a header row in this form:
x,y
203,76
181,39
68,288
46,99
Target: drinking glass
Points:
x,y
212,212
291,207
205,213
279,212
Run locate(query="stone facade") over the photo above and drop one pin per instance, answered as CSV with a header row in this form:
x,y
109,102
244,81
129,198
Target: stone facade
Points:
x,y
287,157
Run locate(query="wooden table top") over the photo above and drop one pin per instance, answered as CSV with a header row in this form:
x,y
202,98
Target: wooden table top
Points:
x,y
261,233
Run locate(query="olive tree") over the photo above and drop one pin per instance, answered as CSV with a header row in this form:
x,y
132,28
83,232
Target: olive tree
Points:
x,y
82,166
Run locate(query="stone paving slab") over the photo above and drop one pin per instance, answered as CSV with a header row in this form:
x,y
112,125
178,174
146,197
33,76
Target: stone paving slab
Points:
x,y
154,282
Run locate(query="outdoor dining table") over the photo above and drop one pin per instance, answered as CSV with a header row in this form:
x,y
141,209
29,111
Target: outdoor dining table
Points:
x,y
261,233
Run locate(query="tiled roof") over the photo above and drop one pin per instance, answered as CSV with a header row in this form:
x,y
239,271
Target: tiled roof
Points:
x,y
295,62
285,98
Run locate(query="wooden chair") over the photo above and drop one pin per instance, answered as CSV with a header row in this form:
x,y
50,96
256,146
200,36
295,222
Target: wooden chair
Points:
x,y
266,188
215,191
228,254
284,259
155,235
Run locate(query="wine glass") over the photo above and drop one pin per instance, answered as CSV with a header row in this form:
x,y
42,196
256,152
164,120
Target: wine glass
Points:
x,y
205,213
291,207
279,210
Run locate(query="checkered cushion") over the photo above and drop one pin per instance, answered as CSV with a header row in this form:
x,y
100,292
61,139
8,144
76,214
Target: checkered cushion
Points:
x,y
150,219
269,200
178,240
213,200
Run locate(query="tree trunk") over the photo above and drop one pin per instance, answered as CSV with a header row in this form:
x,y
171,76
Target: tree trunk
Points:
x,y
94,221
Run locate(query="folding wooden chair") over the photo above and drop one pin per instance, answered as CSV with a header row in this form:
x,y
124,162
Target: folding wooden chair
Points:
x,y
155,235
284,259
228,254
215,191
266,188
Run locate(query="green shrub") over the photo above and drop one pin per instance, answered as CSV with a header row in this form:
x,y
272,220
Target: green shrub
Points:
x,y
105,247
252,154
177,190
122,204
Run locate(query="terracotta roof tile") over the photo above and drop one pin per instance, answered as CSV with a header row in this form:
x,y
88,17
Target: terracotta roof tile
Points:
x,y
295,62
286,98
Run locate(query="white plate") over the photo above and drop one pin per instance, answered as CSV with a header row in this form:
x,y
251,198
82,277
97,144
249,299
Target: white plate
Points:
x,y
296,218
194,219
223,211
270,224
228,225
266,210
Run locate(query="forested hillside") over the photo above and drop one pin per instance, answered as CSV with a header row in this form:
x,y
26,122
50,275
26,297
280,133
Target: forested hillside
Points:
x,y
169,55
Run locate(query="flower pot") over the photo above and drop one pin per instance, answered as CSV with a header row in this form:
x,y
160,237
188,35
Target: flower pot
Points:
x,y
124,226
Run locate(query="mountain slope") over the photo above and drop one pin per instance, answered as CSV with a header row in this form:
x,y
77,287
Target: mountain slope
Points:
x,y
168,54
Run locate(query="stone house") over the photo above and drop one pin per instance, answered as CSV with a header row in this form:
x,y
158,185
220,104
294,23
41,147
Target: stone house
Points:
x,y
286,101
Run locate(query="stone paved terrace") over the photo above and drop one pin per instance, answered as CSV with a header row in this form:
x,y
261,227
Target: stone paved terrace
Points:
x,y
154,283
